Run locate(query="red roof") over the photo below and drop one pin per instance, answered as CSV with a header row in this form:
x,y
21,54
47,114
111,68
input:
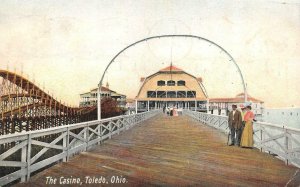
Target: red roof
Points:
x,y
171,68
102,89
237,99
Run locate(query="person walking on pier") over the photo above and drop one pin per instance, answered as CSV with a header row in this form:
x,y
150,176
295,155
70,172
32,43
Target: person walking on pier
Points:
x,y
247,135
235,125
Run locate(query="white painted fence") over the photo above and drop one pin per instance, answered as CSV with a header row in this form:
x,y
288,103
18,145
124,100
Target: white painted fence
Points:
x,y
68,140
274,139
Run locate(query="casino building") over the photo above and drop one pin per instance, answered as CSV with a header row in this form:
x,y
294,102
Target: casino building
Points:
x,y
171,87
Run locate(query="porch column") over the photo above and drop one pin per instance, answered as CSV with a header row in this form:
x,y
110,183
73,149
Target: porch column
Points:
x,y
136,105
195,105
148,107
207,105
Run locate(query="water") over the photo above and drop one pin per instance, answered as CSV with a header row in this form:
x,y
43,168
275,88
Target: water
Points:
x,y
288,117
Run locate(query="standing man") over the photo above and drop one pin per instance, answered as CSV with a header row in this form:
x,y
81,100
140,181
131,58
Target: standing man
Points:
x,y
235,125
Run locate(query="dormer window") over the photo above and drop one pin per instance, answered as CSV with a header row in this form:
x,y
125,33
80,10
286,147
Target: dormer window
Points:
x,y
171,83
181,83
161,83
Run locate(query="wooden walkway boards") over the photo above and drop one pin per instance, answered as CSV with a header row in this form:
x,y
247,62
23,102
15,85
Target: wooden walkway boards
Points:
x,y
172,151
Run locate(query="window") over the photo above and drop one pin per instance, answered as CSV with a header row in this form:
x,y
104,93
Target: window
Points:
x,y
191,94
161,83
181,94
171,83
151,94
161,94
181,83
171,94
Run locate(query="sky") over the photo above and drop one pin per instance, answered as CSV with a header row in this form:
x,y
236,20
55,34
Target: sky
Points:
x,y
64,46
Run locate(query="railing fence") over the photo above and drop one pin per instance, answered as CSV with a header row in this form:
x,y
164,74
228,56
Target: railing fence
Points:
x,y
21,154
278,140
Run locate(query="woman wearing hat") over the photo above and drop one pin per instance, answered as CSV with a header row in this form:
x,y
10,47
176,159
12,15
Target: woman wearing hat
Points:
x,y
247,135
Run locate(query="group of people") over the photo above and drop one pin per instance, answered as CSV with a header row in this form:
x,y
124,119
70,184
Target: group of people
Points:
x,y
170,111
241,126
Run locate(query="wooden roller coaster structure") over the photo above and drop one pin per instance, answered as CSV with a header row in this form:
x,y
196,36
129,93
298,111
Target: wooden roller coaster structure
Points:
x,y
24,107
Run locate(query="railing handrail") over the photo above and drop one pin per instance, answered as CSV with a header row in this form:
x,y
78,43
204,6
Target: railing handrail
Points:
x,y
276,126
16,134
260,122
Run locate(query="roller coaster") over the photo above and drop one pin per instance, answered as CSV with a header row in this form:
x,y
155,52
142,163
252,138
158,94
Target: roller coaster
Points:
x,y
25,107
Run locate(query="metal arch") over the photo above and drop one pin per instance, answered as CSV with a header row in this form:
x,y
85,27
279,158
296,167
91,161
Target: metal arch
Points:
x,y
167,36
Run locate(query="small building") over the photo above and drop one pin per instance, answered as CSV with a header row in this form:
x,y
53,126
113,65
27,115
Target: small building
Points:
x,y
90,98
219,105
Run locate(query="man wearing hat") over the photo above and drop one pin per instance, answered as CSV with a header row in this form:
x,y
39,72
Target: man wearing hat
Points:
x,y
235,125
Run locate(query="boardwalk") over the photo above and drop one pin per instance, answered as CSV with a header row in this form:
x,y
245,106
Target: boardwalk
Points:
x,y
173,151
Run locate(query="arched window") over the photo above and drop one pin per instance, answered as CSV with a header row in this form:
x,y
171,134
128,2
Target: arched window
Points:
x,y
171,83
161,83
181,83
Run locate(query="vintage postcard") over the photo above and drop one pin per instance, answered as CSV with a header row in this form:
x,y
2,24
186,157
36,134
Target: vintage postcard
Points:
x,y
150,93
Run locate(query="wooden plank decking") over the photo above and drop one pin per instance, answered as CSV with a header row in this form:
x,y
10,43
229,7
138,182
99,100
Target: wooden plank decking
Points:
x,y
173,151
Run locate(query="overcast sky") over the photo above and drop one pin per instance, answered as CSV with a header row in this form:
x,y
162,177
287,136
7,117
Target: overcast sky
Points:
x,y
65,45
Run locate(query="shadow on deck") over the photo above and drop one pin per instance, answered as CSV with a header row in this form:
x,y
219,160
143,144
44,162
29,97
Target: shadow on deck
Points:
x,y
172,151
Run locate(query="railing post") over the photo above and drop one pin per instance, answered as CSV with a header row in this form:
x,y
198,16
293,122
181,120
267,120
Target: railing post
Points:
x,y
110,130
65,146
286,144
23,159
261,139
86,137
28,156
99,131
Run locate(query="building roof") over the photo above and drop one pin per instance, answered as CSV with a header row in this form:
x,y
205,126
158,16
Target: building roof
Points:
x,y
171,68
114,94
102,89
239,98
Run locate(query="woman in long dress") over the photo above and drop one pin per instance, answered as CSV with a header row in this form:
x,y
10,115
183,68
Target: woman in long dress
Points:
x,y
247,135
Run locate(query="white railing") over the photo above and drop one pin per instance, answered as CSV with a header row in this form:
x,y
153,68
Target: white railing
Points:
x,y
216,121
280,141
28,148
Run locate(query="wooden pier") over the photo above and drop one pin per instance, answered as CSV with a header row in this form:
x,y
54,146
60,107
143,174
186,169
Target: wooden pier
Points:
x,y
171,151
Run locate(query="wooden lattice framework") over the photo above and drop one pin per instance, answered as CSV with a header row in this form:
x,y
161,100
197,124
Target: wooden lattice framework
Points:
x,y
24,106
